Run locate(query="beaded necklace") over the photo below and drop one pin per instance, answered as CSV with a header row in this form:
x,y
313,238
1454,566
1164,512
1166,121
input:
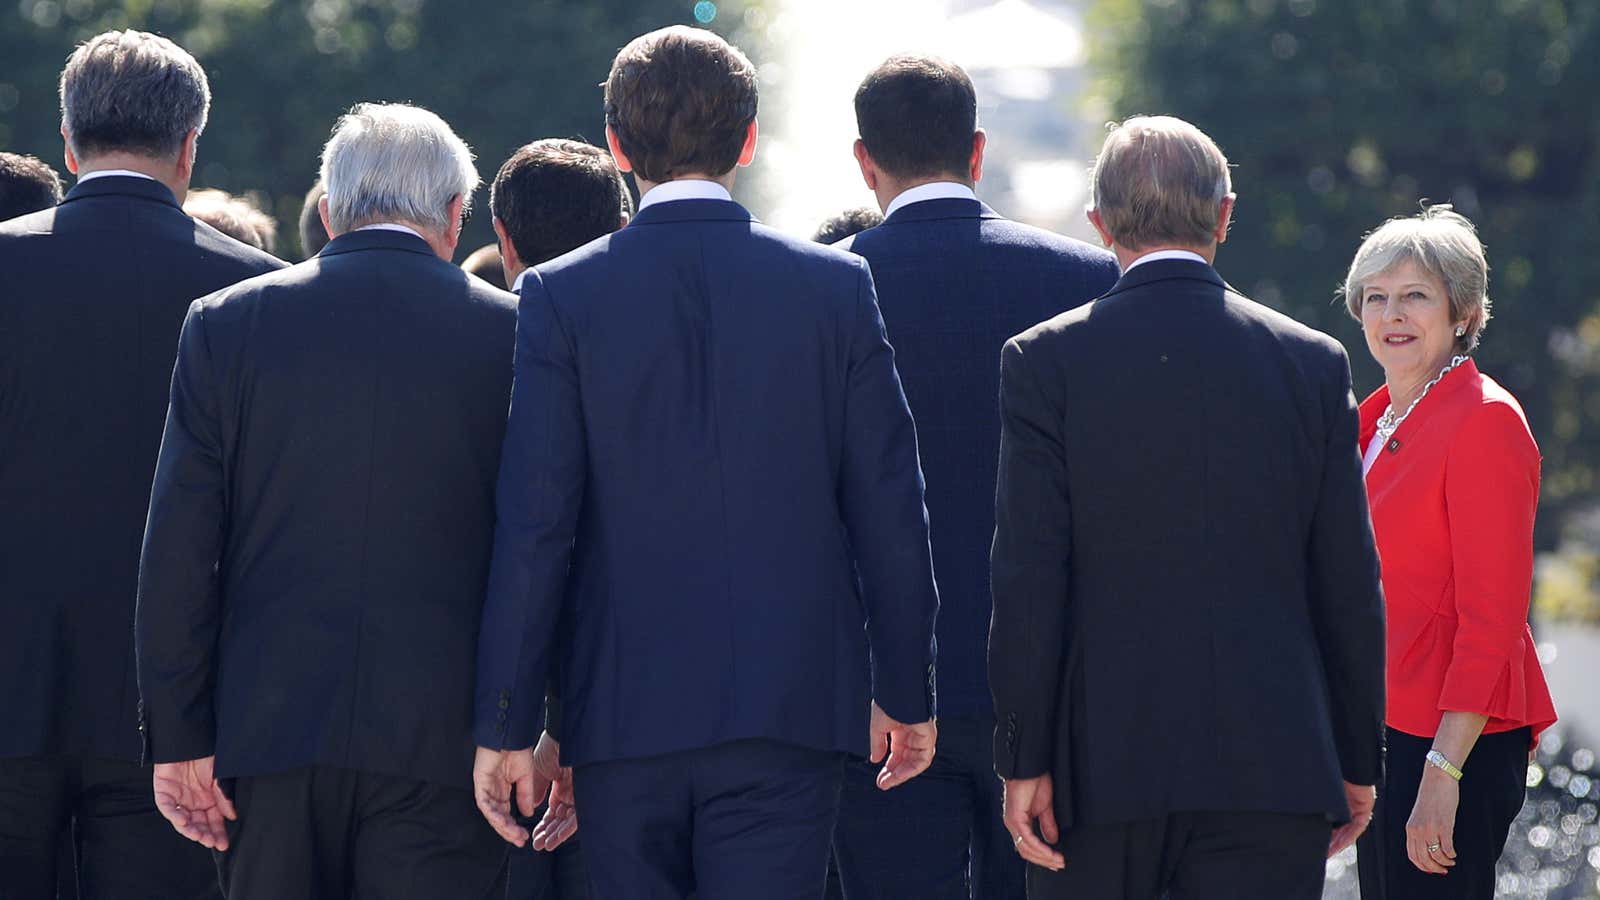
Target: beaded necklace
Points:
x,y
1388,423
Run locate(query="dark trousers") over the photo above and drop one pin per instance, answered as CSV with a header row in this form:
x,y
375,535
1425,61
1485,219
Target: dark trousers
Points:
x,y
936,837
1191,856
322,833
103,813
1493,786
739,820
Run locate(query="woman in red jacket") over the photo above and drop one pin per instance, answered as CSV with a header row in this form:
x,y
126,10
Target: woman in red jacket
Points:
x,y
1452,478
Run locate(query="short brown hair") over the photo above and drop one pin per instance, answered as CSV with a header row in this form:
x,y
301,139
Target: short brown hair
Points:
x,y
917,115
27,184
237,217
1160,180
555,195
680,101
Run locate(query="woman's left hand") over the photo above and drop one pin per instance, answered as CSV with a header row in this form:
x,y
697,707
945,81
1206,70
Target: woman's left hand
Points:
x,y
1430,833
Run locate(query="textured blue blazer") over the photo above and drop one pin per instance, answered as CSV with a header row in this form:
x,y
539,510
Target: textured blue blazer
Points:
x,y
710,481
955,280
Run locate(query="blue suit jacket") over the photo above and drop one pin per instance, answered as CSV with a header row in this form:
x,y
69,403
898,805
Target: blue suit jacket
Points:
x,y
955,281
710,480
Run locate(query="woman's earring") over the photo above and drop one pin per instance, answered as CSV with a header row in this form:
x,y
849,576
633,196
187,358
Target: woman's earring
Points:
x,y
1461,331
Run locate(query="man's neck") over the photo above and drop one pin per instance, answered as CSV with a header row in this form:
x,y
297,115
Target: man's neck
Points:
x,y
890,187
442,248
1126,257
161,170
725,179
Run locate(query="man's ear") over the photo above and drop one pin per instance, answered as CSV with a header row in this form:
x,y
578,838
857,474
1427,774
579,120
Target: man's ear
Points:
x,y
186,155
980,140
1224,217
322,213
621,159
71,158
747,153
1100,226
869,169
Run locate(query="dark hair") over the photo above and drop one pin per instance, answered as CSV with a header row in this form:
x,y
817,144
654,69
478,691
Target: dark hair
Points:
x,y
556,195
917,116
847,223
313,237
485,262
132,91
27,184
680,101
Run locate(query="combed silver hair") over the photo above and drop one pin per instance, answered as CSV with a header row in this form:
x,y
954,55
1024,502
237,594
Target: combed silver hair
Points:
x,y
393,161
1443,243
134,92
1159,180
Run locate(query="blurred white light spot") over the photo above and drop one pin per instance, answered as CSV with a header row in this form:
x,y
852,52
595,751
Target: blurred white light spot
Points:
x,y
1535,775
1541,836
1548,652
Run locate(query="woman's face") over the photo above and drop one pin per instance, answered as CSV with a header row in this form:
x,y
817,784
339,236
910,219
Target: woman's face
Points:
x,y
1405,314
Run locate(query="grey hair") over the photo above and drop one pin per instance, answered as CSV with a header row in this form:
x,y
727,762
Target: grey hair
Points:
x,y
132,91
393,161
1445,244
1159,180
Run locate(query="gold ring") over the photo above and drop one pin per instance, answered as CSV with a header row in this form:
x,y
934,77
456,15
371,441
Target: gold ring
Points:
x,y
1432,847
1016,839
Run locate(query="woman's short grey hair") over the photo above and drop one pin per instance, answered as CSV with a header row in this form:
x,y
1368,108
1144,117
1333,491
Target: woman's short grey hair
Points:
x,y
1443,243
134,92
1159,180
391,162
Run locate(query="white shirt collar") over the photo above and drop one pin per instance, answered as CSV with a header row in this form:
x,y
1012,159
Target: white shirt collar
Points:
x,y
684,189
933,190
516,286
390,226
107,173
1158,255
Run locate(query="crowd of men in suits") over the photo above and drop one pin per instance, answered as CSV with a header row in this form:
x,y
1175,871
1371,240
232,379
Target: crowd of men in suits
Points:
x,y
281,578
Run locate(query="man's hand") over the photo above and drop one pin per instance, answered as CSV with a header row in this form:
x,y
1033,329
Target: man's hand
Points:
x,y
560,819
494,773
1361,799
1030,800
188,795
909,748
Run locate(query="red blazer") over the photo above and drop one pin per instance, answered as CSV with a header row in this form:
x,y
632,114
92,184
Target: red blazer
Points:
x,y
1453,496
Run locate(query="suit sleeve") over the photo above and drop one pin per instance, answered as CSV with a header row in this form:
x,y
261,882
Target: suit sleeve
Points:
x,y
1491,491
179,609
881,501
1345,591
537,500
1030,569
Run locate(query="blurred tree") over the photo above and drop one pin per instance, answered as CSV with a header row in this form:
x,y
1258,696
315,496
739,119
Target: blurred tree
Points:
x,y
1338,116
501,74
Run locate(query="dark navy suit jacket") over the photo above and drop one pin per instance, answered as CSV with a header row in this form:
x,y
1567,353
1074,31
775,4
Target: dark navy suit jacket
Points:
x,y
708,444
955,280
92,294
320,522
1187,608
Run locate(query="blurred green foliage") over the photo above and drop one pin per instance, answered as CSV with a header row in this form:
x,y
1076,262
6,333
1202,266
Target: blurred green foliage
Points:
x,y
500,73
1340,115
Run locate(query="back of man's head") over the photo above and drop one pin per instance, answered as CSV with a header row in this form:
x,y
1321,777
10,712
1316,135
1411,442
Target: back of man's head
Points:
x,y
680,101
1160,181
917,116
848,223
485,262
391,162
27,184
236,217
132,92
313,237
556,195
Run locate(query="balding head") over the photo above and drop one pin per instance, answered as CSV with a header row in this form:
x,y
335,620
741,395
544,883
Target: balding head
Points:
x,y
1160,182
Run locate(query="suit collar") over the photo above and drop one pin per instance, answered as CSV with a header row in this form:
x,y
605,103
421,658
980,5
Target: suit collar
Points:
x,y
1166,270
941,208
123,186
691,211
376,239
